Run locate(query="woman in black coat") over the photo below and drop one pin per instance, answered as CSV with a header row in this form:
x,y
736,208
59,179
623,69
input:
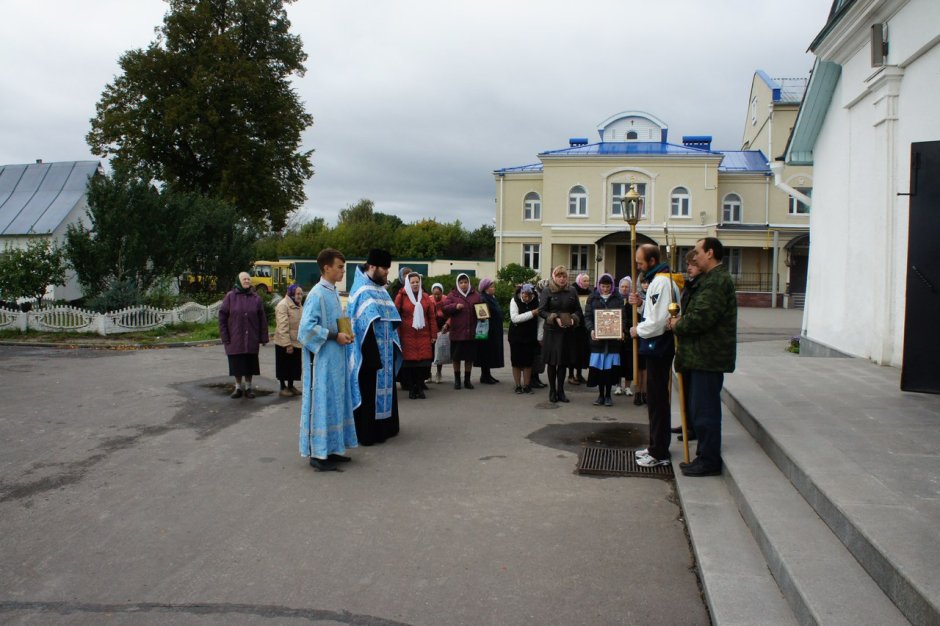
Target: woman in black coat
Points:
x,y
605,360
490,352
561,310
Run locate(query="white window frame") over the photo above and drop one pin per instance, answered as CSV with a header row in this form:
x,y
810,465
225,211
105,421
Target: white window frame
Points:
x,y
532,256
734,206
577,202
795,205
532,207
680,203
732,260
583,252
618,190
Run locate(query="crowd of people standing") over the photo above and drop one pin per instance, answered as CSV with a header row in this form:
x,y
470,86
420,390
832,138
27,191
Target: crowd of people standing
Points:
x,y
348,362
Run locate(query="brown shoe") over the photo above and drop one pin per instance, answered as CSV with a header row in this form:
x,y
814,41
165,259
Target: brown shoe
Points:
x,y
286,393
295,391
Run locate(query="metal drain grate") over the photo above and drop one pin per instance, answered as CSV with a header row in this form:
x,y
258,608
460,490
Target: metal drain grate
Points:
x,y
617,462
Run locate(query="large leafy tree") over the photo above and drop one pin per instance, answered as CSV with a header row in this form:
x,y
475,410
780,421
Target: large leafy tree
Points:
x,y
208,107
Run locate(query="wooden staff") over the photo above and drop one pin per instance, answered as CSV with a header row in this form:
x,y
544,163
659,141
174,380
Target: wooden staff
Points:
x,y
673,313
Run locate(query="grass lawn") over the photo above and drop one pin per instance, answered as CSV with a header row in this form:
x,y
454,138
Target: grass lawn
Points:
x,y
157,336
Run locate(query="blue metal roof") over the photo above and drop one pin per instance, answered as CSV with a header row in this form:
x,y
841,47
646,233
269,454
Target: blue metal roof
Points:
x,y
744,161
784,90
535,167
36,198
629,148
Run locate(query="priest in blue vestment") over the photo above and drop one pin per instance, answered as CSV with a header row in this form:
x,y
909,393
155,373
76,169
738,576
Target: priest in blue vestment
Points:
x,y
376,357
327,426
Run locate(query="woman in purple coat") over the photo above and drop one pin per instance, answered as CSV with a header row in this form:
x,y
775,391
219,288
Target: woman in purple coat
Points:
x,y
463,325
243,327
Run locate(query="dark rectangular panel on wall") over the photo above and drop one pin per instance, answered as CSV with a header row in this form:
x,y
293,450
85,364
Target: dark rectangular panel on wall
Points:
x,y
920,365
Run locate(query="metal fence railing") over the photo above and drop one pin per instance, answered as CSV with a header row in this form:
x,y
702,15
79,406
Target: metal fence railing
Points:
x,y
754,281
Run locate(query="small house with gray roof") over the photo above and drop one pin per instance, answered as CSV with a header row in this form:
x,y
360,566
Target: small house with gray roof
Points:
x,y
41,200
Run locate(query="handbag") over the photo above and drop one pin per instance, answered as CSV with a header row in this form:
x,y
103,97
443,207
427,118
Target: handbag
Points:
x,y
483,330
442,349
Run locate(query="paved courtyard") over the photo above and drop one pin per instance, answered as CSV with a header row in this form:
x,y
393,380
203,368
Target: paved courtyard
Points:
x,y
133,490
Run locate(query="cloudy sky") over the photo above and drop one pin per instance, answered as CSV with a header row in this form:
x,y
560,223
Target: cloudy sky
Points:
x,y
416,102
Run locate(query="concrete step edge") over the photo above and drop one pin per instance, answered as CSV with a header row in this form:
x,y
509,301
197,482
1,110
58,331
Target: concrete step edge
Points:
x,y
816,573
913,601
738,587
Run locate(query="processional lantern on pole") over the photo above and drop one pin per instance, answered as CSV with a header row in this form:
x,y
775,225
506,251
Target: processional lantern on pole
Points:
x,y
631,207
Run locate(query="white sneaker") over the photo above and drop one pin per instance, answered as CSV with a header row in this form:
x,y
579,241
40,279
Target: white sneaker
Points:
x,y
627,391
618,390
648,461
641,453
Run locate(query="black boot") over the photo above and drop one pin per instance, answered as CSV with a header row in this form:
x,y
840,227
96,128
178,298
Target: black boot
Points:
x,y
457,380
466,381
552,396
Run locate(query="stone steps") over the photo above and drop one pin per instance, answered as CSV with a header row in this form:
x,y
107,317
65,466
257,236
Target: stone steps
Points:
x,y
764,554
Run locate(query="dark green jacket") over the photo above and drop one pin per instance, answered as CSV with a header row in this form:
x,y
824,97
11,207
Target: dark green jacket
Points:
x,y
707,331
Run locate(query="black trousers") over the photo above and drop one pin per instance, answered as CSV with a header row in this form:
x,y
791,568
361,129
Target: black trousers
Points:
x,y
658,372
705,410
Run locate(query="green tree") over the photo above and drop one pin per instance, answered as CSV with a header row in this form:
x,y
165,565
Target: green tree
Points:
x,y
515,274
132,239
208,108
28,272
214,244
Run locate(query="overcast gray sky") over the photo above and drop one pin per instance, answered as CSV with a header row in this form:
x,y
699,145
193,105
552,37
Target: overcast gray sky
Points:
x,y
416,103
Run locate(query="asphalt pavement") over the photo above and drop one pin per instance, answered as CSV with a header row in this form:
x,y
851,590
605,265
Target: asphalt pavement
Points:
x,y
133,490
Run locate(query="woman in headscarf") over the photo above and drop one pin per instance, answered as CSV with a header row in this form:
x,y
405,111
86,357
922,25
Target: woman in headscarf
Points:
x,y
582,285
437,299
418,332
243,328
562,313
604,370
626,347
287,364
538,365
523,336
459,307
490,352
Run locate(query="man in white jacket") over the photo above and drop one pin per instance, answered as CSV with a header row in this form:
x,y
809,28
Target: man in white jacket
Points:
x,y
659,348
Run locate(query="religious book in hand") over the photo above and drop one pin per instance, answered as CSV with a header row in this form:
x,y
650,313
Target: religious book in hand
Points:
x,y
565,318
344,325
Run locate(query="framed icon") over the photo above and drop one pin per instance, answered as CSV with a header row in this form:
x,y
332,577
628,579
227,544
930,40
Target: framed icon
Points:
x,y
482,311
608,323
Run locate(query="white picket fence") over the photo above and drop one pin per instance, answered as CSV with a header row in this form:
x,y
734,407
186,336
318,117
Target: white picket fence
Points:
x,y
75,320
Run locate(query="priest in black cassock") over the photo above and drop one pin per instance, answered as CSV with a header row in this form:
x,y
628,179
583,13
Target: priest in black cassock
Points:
x,y
377,356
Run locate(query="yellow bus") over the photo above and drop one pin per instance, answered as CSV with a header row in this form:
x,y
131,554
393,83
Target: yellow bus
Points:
x,y
268,276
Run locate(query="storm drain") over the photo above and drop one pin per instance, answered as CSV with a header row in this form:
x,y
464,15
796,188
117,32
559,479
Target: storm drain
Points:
x,y
616,462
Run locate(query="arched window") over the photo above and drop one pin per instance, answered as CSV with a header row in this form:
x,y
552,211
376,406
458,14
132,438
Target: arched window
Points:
x,y
631,134
680,204
532,206
577,202
731,209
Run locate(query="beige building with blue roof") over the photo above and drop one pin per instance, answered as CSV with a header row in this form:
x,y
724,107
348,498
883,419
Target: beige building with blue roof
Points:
x,y
565,209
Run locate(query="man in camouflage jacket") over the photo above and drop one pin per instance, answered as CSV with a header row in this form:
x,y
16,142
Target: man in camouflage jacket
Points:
x,y
707,334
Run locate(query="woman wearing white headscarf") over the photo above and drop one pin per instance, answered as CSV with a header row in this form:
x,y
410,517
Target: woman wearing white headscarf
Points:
x,y
418,332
